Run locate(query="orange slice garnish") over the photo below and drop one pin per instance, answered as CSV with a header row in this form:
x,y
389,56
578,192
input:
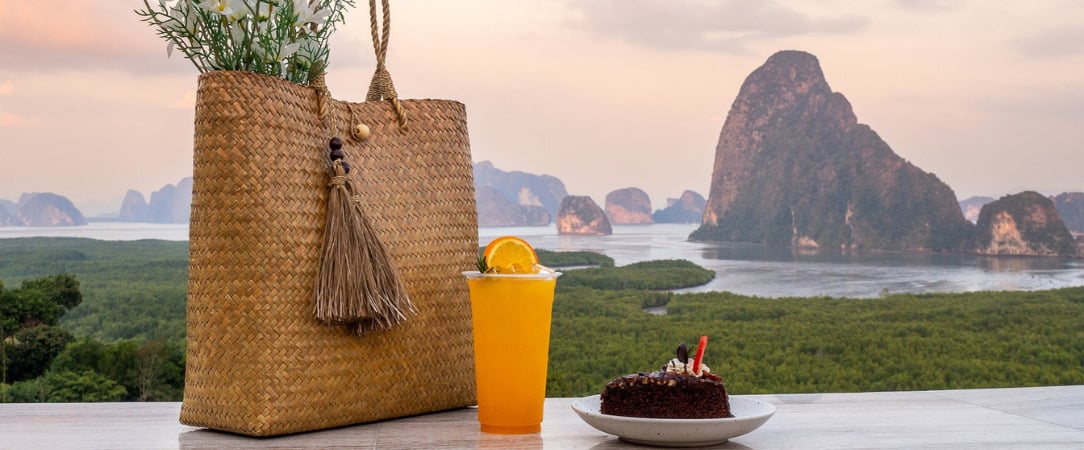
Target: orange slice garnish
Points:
x,y
510,255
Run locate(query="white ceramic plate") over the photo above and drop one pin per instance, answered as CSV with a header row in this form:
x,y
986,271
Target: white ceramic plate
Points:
x,y
748,414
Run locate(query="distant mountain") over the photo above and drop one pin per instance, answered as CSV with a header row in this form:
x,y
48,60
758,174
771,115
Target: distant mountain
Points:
x,y
629,206
41,209
1022,224
170,204
794,167
7,212
534,199
972,206
689,208
134,207
494,210
1071,208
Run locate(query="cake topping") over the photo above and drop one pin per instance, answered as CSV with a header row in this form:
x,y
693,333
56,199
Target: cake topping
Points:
x,y
676,367
682,366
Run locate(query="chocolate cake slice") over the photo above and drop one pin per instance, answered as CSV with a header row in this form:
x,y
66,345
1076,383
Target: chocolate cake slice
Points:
x,y
674,392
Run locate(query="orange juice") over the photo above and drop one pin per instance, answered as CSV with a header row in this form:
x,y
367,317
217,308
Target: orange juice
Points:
x,y
511,319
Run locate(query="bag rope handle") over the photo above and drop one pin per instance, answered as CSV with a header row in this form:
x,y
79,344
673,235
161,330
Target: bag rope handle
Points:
x,y
381,86
323,97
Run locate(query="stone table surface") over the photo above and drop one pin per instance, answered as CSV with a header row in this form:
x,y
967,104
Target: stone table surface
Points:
x,y
1024,418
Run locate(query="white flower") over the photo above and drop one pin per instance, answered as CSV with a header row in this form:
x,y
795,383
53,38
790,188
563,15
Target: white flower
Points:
x,y
288,50
181,20
281,55
232,9
182,12
237,34
306,14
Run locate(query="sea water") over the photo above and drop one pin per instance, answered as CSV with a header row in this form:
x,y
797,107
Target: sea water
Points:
x,y
105,231
762,271
740,268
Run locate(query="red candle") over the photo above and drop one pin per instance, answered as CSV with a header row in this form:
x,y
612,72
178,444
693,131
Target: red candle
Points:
x,y
700,353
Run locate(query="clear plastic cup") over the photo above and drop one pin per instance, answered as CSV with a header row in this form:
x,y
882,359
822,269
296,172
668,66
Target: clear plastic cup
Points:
x,y
511,321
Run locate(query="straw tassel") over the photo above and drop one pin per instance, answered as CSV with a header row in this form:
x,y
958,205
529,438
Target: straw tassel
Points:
x,y
357,285
390,305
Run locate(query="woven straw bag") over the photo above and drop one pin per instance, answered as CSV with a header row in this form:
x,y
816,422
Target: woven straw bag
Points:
x,y
258,363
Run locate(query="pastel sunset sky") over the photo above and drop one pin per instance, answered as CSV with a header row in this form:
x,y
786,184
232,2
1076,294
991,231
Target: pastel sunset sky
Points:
x,y
604,94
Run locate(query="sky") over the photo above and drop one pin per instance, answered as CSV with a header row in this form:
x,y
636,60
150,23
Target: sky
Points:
x,y
603,94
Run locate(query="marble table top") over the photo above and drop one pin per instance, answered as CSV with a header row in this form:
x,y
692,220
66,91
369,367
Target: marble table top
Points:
x,y
1036,417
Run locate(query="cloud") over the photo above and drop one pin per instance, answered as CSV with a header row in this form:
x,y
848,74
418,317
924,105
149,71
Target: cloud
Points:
x,y
9,120
78,35
1049,103
925,5
727,26
187,101
1056,42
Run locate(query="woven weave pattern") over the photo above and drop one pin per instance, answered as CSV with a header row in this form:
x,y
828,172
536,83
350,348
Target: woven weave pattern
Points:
x,y
258,362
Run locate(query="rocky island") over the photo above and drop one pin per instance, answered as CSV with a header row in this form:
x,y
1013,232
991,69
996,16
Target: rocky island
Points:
x,y
688,208
793,167
629,206
579,214
1022,224
41,209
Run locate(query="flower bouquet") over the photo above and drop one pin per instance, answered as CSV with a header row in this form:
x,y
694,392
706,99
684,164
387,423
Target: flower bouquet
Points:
x,y
283,38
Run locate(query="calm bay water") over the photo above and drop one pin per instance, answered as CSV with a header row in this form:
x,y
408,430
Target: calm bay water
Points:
x,y
740,268
106,231
782,272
